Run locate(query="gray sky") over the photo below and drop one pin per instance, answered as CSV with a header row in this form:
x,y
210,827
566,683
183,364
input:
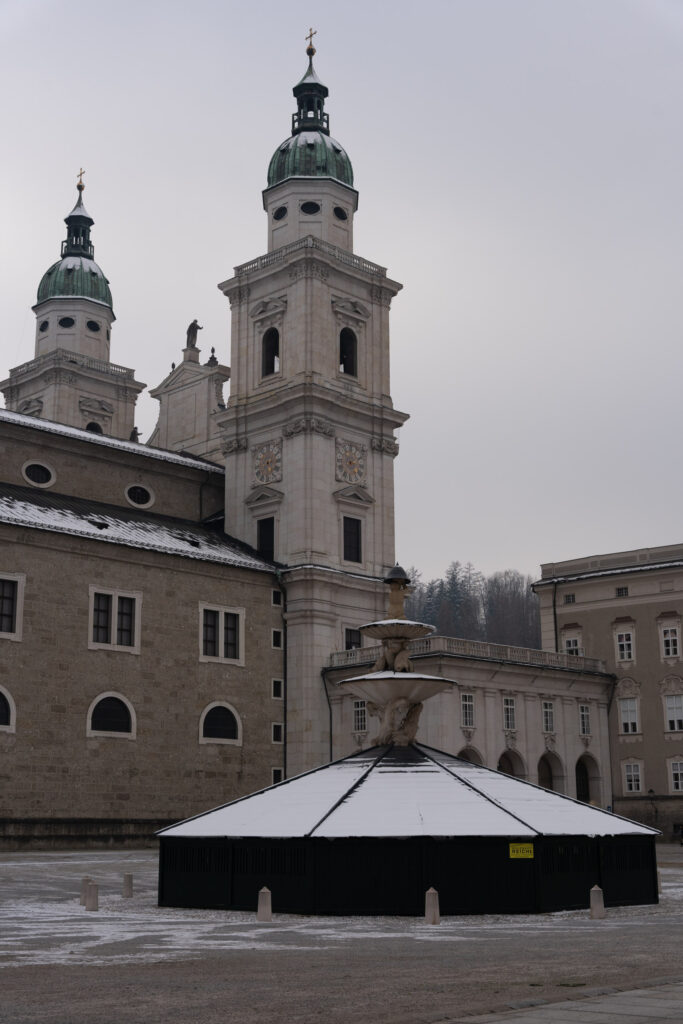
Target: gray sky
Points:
x,y
519,164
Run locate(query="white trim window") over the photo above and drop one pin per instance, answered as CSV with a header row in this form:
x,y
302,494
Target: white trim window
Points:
x,y
632,778
11,605
584,720
466,710
111,714
572,646
360,716
628,715
674,712
220,723
509,713
8,711
548,716
277,690
625,641
221,634
670,641
676,776
114,620
277,732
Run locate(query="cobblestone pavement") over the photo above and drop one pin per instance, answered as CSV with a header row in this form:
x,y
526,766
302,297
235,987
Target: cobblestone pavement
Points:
x,y
133,961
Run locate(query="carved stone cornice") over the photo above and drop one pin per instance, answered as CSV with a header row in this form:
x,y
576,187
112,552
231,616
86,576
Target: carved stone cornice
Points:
x,y
382,296
308,425
235,444
386,445
268,313
670,686
309,267
628,688
350,312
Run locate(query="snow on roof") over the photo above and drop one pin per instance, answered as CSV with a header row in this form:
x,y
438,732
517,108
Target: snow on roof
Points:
x,y
21,506
134,447
404,791
570,577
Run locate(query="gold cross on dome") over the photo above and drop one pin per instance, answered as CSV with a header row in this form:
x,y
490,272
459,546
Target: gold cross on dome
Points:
x,y
310,35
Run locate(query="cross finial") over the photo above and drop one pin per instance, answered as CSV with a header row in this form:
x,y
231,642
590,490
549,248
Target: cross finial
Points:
x,y
80,186
310,49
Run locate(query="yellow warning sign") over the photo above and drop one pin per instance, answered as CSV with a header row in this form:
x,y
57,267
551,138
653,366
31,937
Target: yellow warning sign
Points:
x,y
522,851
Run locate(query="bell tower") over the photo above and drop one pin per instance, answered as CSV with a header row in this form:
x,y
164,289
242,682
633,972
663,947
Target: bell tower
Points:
x,y
308,432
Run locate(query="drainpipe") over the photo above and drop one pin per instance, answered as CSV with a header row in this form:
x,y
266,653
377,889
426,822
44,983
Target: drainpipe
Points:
x,y
283,591
323,672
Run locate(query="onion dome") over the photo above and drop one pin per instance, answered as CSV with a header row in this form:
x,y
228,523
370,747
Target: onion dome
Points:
x,y
76,274
310,152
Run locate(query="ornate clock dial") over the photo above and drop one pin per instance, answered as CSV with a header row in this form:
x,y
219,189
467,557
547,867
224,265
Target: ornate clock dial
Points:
x,y
268,463
350,462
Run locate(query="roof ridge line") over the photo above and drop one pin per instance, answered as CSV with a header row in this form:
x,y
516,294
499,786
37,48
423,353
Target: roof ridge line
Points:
x,y
354,785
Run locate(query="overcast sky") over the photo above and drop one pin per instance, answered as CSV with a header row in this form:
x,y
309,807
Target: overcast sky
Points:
x,y
520,165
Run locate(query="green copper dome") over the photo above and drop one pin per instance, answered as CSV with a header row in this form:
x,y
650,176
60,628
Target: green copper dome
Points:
x,y
76,274
310,152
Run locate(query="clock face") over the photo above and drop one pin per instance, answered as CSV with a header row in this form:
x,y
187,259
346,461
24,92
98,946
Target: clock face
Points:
x,y
268,462
350,462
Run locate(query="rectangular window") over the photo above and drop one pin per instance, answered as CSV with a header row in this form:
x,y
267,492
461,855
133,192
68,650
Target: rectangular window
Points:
x,y
352,540
467,710
277,732
674,713
114,620
570,598
277,638
670,641
265,537
360,716
572,646
677,776
276,775
508,712
548,716
625,646
9,590
632,776
352,639
276,598
622,592
277,690
628,714
584,719
221,636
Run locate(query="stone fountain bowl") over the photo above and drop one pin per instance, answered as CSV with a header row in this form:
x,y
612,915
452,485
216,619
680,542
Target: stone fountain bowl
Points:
x,y
381,687
397,629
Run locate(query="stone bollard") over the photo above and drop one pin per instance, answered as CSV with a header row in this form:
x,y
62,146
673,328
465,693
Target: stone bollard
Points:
x,y
265,909
597,904
432,915
85,881
127,886
91,897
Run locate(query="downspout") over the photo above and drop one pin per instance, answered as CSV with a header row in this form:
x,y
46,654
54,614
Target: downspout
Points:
x,y
283,591
329,705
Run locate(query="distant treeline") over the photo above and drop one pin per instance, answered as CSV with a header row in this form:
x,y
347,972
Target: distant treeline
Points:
x,y
500,609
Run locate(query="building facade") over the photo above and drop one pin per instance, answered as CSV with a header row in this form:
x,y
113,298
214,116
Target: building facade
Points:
x,y
625,608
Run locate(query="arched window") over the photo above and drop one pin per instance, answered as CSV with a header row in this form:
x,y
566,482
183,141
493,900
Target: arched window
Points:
x,y
4,710
270,352
220,723
348,352
110,713
7,712
510,763
94,428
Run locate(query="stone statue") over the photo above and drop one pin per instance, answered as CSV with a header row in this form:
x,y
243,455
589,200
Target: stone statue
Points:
x,y
192,334
398,721
395,657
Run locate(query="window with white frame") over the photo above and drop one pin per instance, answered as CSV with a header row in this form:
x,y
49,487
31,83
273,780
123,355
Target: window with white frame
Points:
x,y
11,605
8,711
277,732
548,716
221,634
677,776
628,715
467,710
220,723
674,712
632,779
584,719
570,598
669,636
277,689
360,716
276,775
508,712
621,592
111,714
625,644
572,645
114,620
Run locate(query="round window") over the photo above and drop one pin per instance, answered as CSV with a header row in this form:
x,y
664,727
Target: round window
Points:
x,y
92,326
67,321
340,214
44,326
280,213
310,208
38,474
138,495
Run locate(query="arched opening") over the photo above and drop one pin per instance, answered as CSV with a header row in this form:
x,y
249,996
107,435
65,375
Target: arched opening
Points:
x,y
270,352
551,772
348,352
587,780
94,428
471,755
5,711
219,723
111,714
510,763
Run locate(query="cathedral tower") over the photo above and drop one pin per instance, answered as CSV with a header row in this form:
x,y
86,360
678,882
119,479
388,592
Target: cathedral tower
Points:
x,y
309,427
71,379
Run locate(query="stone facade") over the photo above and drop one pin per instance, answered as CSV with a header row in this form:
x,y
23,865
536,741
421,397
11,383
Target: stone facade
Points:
x,y
625,608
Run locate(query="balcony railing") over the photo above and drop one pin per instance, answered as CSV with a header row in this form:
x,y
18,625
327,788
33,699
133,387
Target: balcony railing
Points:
x,y
309,242
436,645
63,357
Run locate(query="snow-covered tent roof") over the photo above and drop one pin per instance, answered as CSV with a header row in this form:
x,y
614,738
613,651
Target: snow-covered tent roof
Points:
x,y
404,791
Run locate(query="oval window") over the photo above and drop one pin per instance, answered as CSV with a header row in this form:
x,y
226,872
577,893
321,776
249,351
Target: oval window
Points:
x,y
67,321
92,326
310,208
44,326
340,214
138,495
280,213
38,474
